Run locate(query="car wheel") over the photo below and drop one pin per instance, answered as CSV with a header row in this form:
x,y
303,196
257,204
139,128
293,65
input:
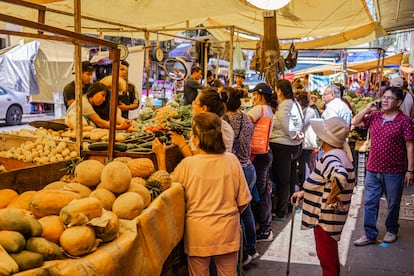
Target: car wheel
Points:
x,y
14,115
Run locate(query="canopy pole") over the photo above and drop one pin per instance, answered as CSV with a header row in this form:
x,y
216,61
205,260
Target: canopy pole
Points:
x,y
114,55
381,52
271,48
78,78
231,56
147,62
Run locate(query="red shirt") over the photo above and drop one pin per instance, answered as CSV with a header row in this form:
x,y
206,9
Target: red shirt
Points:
x,y
388,152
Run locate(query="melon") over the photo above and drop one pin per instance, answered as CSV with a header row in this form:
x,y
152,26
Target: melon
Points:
x,y
88,172
116,177
128,205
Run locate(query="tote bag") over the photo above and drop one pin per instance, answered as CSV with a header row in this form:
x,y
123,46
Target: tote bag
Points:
x,y
260,138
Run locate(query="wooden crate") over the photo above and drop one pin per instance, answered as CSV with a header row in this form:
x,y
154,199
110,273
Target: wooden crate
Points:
x,y
31,178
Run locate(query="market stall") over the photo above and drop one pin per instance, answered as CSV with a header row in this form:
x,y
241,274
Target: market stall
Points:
x,y
141,248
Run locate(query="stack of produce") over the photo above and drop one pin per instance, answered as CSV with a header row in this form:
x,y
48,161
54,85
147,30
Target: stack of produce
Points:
x,y
71,219
41,151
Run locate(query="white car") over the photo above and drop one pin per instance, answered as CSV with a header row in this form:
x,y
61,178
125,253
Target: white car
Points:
x,y
13,105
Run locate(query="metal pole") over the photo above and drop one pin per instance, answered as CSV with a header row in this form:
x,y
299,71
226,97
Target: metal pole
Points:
x,y
78,78
231,56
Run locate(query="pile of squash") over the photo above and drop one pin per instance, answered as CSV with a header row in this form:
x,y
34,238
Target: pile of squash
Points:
x,y
71,219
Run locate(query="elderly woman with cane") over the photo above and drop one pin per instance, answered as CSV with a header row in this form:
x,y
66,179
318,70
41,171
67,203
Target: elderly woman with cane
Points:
x,y
327,191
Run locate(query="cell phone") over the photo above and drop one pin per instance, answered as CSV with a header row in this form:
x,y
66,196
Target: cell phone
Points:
x,y
378,104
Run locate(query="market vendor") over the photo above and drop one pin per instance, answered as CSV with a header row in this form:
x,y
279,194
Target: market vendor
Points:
x,y
128,99
103,109
94,97
69,90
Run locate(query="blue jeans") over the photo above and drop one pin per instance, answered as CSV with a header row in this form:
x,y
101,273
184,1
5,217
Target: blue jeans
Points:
x,y
391,184
262,163
247,219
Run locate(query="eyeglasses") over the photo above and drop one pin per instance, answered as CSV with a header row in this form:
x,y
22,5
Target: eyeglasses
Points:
x,y
388,98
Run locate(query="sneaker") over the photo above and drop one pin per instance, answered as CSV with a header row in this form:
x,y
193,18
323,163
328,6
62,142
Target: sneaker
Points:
x,y
363,241
255,256
265,236
389,237
247,261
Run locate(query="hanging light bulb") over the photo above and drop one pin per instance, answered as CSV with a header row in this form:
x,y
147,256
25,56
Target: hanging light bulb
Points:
x,y
269,4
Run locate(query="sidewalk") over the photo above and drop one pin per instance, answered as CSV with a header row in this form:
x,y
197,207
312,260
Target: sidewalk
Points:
x,y
379,259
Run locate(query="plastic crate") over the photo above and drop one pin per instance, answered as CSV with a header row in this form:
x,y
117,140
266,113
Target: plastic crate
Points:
x,y
362,161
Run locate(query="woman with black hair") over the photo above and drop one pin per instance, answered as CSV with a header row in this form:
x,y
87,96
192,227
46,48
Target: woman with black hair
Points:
x,y
208,100
243,132
264,104
95,97
286,144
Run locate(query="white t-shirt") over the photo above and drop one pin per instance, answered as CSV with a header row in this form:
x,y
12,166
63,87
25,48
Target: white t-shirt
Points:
x,y
256,113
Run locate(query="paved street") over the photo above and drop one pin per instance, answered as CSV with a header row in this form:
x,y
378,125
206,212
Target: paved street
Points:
x,y
26,119
379,259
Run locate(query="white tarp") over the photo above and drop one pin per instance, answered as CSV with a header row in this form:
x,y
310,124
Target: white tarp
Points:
x,y
340,22
17,70
38,68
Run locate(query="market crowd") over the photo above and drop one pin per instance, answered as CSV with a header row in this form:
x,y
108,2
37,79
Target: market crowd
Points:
x,y
306,156
245,168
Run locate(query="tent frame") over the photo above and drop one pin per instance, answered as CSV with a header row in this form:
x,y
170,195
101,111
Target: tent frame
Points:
x,y
78,39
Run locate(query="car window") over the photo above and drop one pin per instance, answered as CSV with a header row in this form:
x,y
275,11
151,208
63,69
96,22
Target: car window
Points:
x,y
2,91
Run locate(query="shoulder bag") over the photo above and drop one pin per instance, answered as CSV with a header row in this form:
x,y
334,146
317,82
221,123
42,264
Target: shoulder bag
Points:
x,y
260,138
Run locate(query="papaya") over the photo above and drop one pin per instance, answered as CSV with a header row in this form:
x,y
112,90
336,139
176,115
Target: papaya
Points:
x,y
81,211
78,240
27,259
50,202
49,250
12,241
21,221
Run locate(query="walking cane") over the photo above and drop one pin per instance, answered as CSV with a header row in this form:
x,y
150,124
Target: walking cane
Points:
x,y
291,237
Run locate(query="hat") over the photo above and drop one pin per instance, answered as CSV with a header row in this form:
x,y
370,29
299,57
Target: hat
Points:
x,y
87,66
397,82
262,88
333,130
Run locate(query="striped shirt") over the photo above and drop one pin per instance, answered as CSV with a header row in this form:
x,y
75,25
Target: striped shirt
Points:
x,y
317,187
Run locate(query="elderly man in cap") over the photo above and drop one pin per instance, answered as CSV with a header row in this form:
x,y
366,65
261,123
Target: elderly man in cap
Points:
x,y
69,90
327,191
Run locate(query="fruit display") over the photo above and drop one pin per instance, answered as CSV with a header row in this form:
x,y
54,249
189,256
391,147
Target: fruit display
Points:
x,y
357,103
71,219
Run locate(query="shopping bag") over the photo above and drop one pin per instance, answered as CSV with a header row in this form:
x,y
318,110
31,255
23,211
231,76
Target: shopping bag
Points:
x,y
260,138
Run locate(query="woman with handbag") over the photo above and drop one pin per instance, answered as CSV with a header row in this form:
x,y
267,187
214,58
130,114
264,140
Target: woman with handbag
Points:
x,y
286,144
261,114
306,162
